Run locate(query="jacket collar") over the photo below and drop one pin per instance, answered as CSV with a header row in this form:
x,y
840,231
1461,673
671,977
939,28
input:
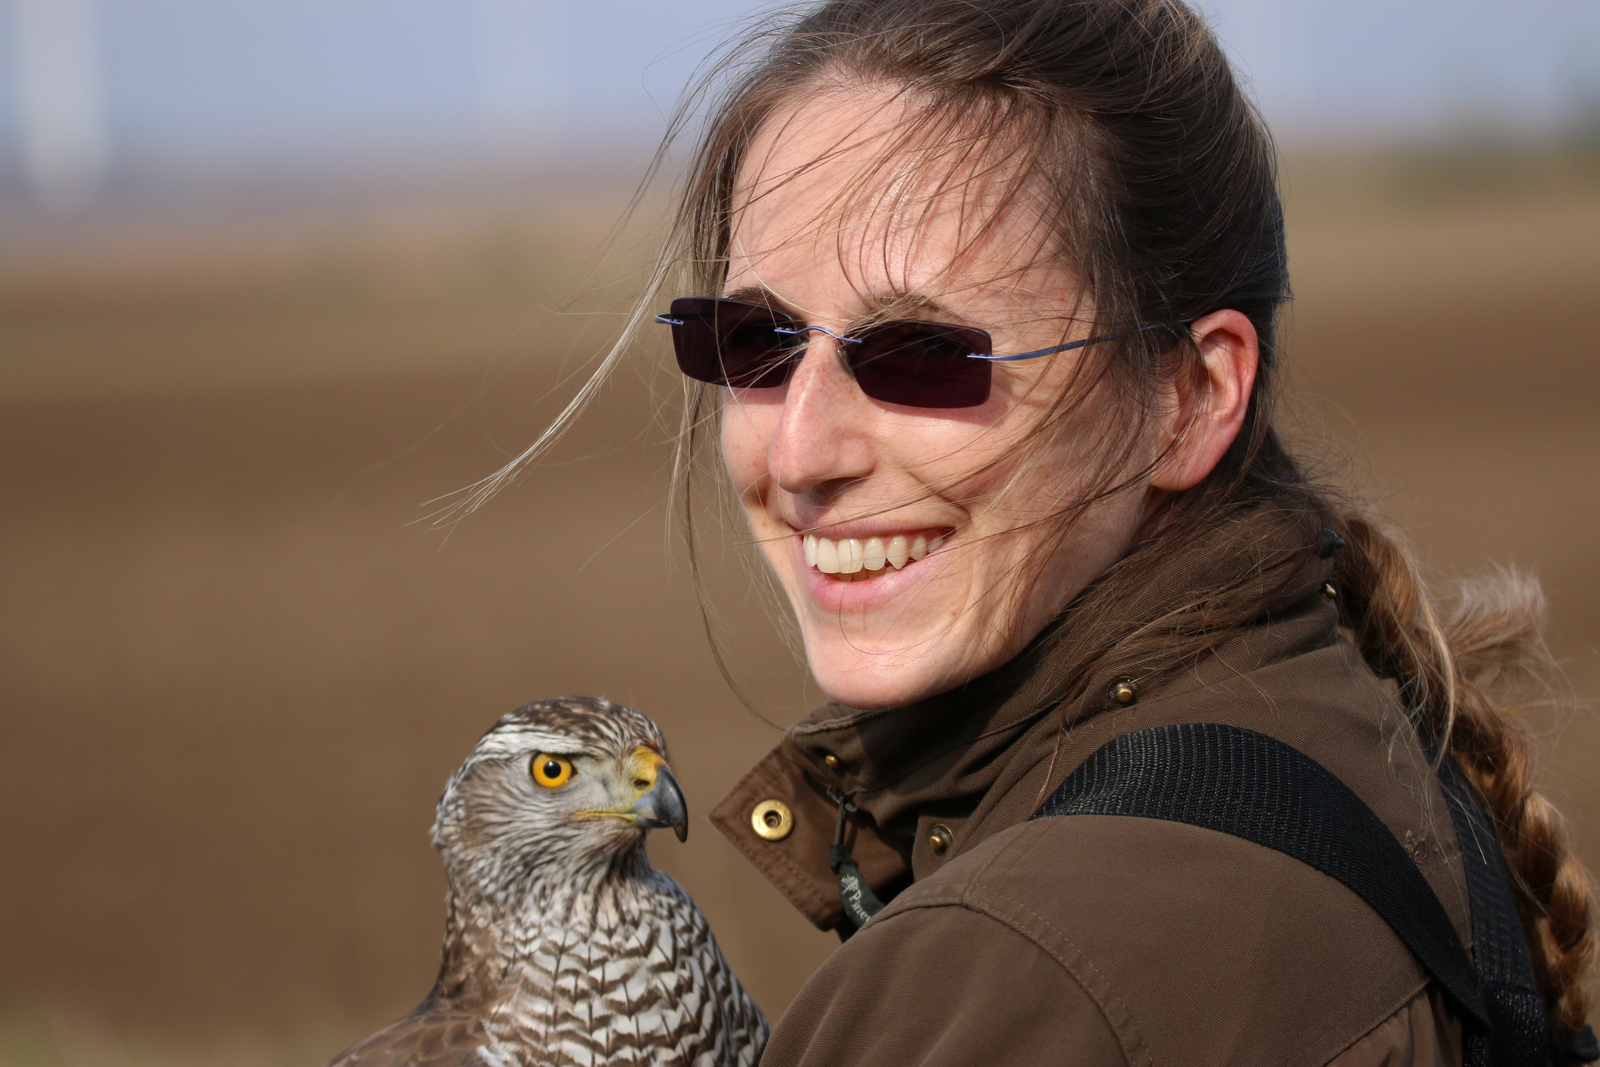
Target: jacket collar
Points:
x,y
981,756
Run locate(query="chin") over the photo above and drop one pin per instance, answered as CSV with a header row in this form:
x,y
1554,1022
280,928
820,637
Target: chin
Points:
x,y
872,683
867,698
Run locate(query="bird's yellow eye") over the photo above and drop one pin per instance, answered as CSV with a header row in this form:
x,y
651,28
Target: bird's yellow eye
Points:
x,y
551,771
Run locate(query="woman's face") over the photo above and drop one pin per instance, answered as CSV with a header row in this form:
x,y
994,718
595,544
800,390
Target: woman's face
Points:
x,y
813,237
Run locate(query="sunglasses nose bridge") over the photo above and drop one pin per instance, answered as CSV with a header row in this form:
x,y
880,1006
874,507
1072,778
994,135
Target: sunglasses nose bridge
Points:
x,y
803,345
796,331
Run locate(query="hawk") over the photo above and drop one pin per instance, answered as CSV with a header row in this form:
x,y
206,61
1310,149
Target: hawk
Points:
x,y
563,945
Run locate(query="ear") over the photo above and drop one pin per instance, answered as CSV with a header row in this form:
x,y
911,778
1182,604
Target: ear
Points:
x,y
1210,400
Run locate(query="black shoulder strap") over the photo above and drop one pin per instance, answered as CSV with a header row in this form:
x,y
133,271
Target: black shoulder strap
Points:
x,y
1252,786
1517,1024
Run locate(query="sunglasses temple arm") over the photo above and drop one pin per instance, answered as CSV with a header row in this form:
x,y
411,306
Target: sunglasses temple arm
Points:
x,y
1036,353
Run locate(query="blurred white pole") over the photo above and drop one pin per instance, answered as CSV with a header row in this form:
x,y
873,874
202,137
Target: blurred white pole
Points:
x,y
65,143
522,76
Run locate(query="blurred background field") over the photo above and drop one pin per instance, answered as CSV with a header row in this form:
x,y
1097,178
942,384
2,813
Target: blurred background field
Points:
x,y
235,667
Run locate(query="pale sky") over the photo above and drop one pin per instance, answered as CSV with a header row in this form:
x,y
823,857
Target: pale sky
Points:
x,y
165,91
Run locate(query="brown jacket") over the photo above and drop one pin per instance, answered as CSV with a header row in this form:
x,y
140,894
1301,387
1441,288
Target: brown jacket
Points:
x,y
1099,940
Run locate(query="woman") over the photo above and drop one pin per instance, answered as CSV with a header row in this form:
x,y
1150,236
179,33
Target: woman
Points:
x,y
986,292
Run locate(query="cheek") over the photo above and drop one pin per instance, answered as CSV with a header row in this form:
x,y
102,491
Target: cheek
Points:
x,y
746,435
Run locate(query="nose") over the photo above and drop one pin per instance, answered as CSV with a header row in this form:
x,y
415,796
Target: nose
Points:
x,y
822,439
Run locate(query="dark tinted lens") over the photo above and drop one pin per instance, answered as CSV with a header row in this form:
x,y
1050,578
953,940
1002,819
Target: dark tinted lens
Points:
x,y
728,343
922,364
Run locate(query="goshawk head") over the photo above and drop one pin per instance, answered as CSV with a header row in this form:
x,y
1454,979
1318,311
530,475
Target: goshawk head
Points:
x,y
561,785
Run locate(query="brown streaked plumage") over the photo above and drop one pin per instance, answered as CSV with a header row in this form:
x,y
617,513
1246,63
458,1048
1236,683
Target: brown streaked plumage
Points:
x,y
563,946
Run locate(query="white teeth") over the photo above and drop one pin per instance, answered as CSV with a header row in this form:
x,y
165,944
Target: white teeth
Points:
x,y
876,556
827,556
899,551
850,555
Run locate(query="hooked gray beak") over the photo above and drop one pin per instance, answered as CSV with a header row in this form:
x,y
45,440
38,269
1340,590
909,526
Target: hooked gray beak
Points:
x,y
664,806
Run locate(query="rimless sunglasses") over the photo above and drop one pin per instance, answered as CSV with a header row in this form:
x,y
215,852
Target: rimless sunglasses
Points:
x,y
919,364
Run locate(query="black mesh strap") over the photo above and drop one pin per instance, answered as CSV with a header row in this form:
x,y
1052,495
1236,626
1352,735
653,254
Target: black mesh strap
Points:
x,y
1249,785
1517,1033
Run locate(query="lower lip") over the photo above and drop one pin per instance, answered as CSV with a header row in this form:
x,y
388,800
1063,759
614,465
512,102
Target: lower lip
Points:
x,y
833,595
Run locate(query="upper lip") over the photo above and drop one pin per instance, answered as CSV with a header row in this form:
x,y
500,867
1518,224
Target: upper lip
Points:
x,y
863,529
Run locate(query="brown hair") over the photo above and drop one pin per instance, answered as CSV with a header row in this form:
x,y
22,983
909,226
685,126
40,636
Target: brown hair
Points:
x,y
1163,190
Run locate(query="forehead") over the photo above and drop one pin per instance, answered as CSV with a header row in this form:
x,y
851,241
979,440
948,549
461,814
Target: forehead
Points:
x,y
570,726
861,186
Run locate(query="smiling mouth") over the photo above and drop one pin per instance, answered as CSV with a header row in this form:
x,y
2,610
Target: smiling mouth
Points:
x,y
855,559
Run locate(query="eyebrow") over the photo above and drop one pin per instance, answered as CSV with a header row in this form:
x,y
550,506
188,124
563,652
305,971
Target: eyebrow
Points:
x,y
911,303
755,294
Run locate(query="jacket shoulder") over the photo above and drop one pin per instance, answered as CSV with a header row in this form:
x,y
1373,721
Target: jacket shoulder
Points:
x,y
1202,947
945,985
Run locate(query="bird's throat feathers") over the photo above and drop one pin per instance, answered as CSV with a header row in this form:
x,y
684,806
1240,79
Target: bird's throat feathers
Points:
x,y
488,935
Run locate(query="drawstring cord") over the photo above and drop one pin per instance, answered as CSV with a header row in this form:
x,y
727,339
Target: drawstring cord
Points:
x,y
860,902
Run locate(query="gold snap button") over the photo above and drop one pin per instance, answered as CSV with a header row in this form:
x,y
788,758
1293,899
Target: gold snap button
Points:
x,y
1329,591
940,839
831,760
1124,692
772,820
